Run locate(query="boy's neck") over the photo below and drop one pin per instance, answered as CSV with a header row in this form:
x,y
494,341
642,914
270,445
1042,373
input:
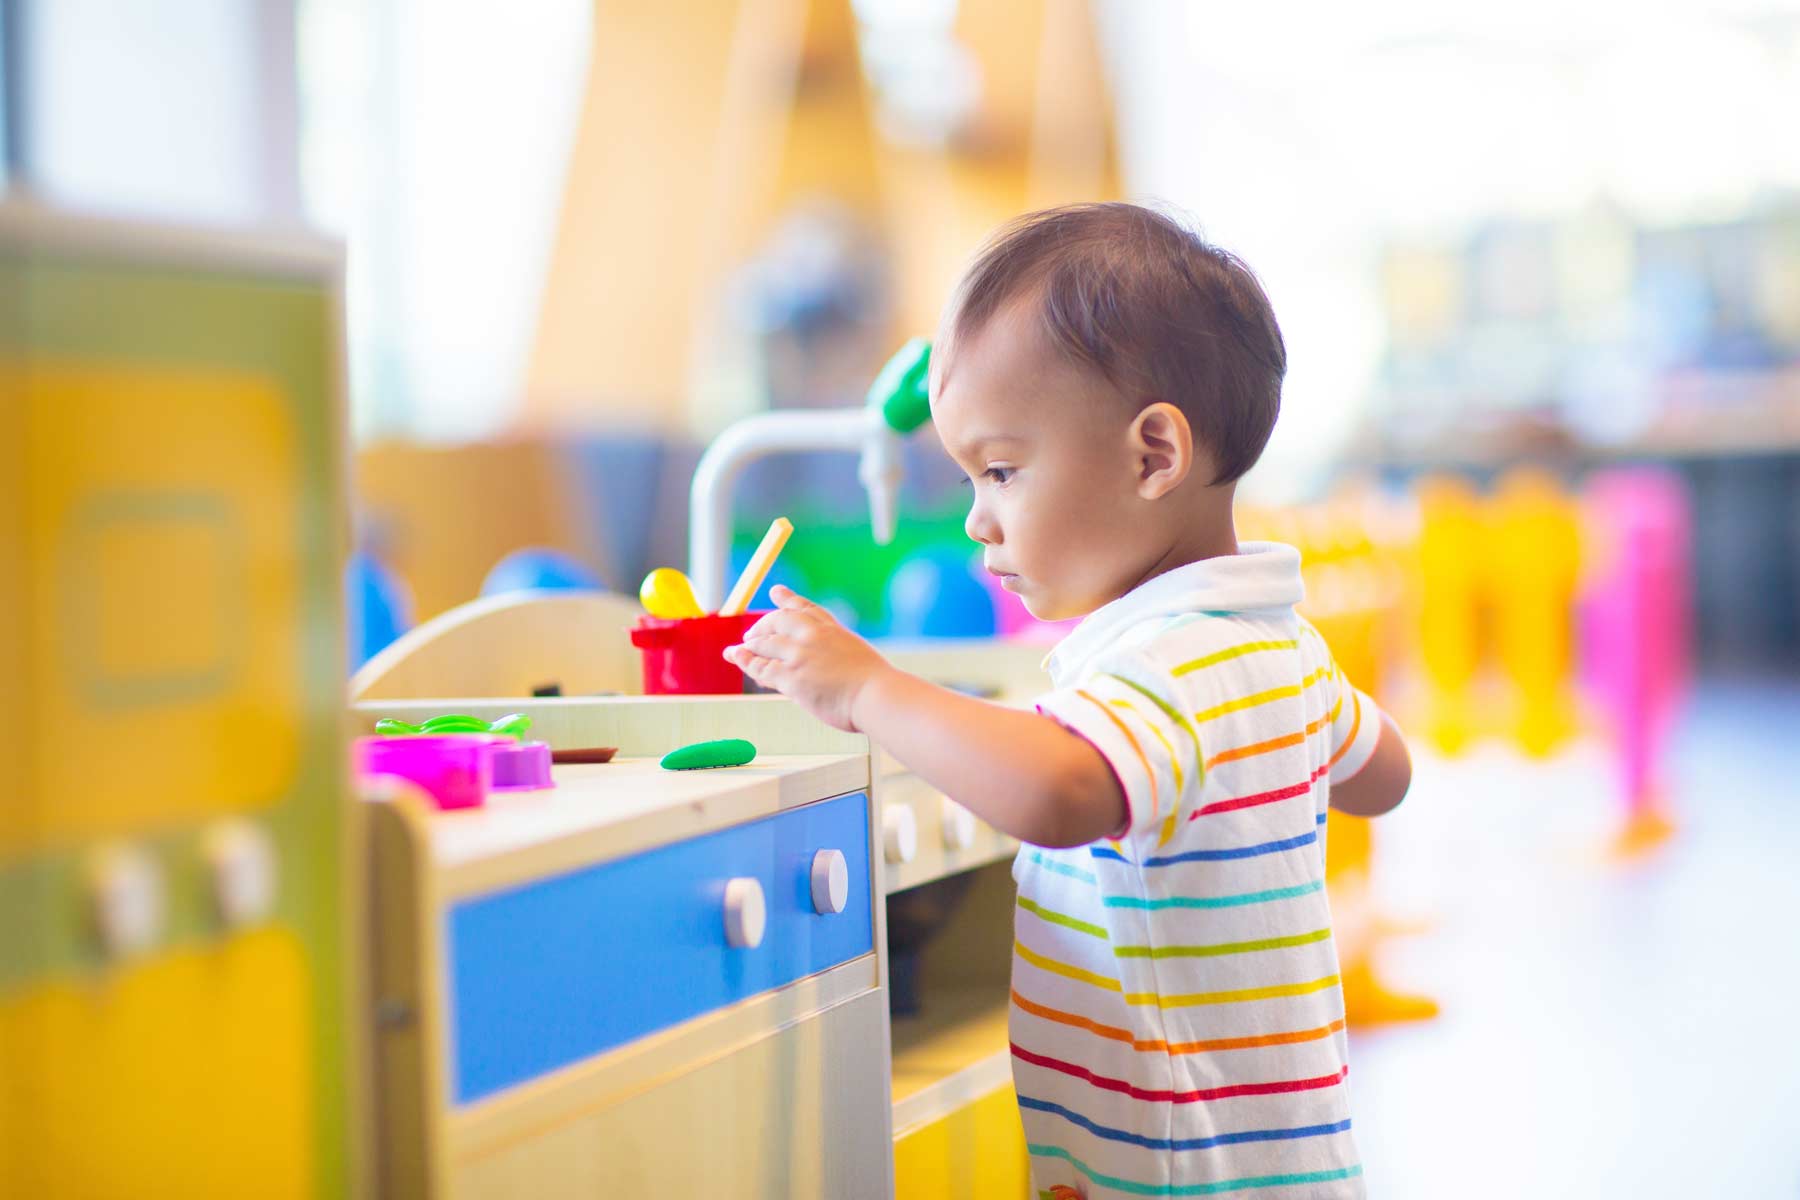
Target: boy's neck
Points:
x,y
1211,533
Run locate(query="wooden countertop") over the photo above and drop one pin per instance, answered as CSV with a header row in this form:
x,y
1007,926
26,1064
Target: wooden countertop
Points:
x,y
606,810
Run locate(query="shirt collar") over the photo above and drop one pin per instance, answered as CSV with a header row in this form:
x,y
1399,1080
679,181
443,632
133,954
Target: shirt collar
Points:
x,y
1260,575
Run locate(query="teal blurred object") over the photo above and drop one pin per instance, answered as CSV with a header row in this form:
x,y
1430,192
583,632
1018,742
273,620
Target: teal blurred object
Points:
x,y
377,605
539,569
937,594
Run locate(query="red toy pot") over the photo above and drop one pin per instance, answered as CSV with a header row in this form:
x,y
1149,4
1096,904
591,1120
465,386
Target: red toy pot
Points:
x,y
687,656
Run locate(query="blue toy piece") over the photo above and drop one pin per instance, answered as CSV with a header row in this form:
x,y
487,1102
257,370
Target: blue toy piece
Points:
x,y
936,594
378,607
538,569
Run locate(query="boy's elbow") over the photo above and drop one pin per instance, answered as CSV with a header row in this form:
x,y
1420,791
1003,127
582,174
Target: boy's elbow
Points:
x,y
1387,797
1361,796
1081,802
1381,785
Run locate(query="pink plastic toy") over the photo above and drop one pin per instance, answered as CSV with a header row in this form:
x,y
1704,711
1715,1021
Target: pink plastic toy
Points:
x,y
1635,631
454,769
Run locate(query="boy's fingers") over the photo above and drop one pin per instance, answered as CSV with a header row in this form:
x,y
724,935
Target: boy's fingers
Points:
x,y
768,645
786,597
778,622
761,669
748,660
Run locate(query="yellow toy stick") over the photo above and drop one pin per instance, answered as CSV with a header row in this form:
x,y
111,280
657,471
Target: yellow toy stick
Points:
x,y
757,569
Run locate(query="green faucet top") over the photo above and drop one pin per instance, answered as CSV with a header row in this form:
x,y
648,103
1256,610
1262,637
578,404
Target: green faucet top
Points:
x,y
902,389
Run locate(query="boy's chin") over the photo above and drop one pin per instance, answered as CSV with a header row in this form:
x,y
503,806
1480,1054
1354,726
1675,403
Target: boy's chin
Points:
x,y
1046,608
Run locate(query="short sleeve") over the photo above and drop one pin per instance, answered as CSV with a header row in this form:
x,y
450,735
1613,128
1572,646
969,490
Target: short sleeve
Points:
x,y
1129,713
1355,727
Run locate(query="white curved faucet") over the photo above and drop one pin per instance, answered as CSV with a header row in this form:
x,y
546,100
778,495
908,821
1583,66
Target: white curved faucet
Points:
x,y
897,405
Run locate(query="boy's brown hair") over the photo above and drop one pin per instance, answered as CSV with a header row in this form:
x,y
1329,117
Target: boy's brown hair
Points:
x,y
1150,305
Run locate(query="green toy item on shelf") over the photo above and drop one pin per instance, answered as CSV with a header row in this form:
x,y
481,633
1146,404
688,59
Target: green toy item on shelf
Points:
x,y
512,725
727,752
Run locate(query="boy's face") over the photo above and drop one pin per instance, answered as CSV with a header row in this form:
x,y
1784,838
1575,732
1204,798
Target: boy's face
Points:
x,y
1047,452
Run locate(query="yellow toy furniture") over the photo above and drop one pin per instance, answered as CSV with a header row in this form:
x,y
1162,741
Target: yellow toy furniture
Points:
x,y
1353,582
1350,597
175,992
1532,579
1449,591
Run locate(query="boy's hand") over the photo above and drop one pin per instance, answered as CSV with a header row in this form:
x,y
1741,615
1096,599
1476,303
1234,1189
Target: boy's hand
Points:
x,y
801,651
1019,771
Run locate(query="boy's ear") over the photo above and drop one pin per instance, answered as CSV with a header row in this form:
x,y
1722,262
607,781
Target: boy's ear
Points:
x,y
1162,442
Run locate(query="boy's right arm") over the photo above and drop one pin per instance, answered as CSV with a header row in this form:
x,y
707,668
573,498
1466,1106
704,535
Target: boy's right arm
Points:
x,y
1382,782
1021,772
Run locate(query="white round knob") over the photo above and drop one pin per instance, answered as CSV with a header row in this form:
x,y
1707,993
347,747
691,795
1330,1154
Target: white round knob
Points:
x,y
745,915
241,858
126,895
959,825
830,882
899,833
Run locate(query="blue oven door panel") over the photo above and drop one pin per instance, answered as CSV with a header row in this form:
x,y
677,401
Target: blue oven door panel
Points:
x,y
556,971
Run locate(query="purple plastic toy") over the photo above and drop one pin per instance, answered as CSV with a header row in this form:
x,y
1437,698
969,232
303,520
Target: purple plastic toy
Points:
x,y
521,766
455,769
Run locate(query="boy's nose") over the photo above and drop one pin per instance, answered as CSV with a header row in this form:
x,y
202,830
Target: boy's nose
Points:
x,y
980,528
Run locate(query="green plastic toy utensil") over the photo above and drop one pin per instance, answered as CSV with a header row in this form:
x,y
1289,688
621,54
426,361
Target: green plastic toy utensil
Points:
x,y
728,752
512,725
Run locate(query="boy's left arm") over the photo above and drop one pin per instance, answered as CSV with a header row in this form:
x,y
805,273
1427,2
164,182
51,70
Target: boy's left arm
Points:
x,y
1381,783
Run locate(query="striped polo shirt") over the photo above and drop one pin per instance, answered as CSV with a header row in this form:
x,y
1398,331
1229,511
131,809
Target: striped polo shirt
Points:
x,y
1177,1021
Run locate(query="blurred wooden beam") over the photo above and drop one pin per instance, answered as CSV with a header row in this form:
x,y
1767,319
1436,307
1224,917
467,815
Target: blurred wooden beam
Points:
x,y
704,123
828,146
1043,134
678,124
1074,148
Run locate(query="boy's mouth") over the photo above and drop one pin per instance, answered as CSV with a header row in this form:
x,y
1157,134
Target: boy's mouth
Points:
x,y
1007,579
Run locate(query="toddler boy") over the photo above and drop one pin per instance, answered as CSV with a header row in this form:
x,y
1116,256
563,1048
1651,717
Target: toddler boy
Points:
x,y
1104,377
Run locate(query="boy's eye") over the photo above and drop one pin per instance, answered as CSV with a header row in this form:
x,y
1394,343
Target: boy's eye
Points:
x,y
997,475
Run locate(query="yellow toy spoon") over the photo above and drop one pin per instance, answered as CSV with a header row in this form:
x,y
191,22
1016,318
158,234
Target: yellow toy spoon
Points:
x,y
668,594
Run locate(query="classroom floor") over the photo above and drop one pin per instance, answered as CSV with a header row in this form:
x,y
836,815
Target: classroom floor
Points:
x,y
1607,1030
